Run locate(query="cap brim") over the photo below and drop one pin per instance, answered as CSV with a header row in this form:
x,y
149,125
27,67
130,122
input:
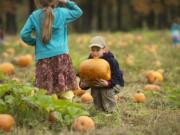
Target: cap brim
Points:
x,y
98,45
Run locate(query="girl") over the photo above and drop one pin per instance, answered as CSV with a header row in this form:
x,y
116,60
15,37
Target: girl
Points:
x,y
54,71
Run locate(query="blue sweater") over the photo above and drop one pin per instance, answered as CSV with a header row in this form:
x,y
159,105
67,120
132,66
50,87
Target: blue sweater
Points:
x,y
59,41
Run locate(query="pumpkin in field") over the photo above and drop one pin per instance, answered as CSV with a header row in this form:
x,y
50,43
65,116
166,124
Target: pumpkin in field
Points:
x,y
7,68
93,69
152,87
6,122
130,60
83,124
10,51
154,77
79,92
87,98
139,97
24,61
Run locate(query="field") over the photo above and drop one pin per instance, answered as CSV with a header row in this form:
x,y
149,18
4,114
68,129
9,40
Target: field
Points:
x,y
137,52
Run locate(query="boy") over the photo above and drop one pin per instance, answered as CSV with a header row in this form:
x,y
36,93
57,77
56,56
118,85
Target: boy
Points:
x,y
103,91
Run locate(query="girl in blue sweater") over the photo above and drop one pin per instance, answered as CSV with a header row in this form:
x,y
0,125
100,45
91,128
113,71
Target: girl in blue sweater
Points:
x,y
54,71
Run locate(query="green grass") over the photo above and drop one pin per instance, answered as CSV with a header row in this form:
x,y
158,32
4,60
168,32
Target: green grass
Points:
x,y
159,115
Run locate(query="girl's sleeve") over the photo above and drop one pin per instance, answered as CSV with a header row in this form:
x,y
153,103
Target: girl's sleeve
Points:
x,y
72,12
27,31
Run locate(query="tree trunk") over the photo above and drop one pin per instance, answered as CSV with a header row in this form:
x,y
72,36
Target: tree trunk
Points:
x,y
11,25
31,6
119,17
99,14
1,29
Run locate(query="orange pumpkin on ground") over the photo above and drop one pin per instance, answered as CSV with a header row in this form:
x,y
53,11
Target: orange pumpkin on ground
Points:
x,y
130,60
139,97
87,98
93,69
83,124
154,77
24,61
6,122
152,87
7,68
10,51
79,92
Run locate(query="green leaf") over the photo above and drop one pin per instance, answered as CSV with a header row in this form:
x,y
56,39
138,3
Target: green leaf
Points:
x,y
2,106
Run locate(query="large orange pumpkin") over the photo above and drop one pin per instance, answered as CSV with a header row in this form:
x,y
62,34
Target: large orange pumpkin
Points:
x,y
24,61
6,122
83,124
7,68
93,69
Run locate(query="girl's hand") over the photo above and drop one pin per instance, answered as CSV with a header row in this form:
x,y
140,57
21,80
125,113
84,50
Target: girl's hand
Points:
x,y
100,83
63,1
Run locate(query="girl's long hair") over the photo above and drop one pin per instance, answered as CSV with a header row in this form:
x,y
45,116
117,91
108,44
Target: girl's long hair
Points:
x,y
48,19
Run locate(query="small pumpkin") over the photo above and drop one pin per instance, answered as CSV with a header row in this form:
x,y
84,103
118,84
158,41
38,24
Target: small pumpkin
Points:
x,y
87,98
83,124
10,51
154,77
139,97
79,92
6,122
93,69
130,60
24,60
152,87
7,68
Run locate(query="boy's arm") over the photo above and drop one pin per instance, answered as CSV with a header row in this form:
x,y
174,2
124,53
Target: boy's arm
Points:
x,y
117,75
72,12
84,85
27,31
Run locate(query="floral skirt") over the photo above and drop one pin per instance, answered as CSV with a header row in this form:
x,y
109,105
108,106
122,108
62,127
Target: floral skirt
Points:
x,y
56,74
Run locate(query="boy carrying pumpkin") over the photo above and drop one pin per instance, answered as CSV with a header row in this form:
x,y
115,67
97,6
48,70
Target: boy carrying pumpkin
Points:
x,y
102,90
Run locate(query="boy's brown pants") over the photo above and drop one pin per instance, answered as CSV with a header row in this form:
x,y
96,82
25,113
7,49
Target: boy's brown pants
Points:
x,y
104,98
